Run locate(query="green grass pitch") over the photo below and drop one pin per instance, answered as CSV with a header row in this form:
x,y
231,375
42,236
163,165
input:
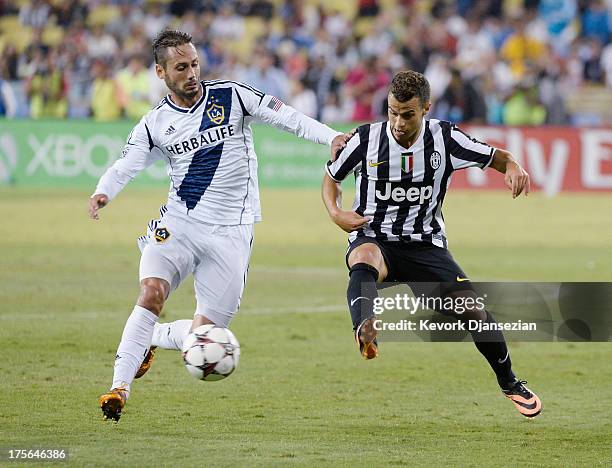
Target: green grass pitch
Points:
x,y
301,395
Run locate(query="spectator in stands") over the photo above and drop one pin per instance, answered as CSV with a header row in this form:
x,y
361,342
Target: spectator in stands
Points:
x,y
333,110
521,50
596,21
551,98
227,25
8,101
337,25
415,51
559,16
79,77
606,64
156,19
320,78
378,40
128,17
461,101
524,107
262,8
100,44
368,8
35,14
362,82
9,60
105,102
134,86
303,98
438,74
493,100
265,76
590,53
136,41
47,89
66,11
476,37
34,54
475,50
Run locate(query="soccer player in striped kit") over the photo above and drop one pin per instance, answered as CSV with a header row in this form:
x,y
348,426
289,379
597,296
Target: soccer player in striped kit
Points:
x,y
202,131
402,171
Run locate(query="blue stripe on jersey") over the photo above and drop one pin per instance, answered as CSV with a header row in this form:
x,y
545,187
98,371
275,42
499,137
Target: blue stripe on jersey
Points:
x,y
255,91
199,175
221,97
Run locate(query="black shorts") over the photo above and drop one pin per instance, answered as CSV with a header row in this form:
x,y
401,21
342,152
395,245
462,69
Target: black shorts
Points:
x,y
418,262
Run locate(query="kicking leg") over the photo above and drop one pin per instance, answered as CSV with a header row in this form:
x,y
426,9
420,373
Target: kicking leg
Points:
x,y
171,335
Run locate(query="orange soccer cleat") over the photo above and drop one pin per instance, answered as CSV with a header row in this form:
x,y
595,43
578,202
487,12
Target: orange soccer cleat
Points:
x,y
527,403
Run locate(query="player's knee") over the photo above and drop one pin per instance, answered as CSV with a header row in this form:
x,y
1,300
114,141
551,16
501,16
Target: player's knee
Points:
x,y
370,256
153,293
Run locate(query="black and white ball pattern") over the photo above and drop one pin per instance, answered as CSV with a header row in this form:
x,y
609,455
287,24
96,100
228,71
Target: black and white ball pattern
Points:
x,y
211,352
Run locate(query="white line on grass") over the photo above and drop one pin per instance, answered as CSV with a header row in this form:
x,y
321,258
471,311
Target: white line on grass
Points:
x,y
246,310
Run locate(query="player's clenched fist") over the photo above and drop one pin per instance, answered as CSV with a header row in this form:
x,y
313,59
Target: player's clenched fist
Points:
x,y
95,203
349,221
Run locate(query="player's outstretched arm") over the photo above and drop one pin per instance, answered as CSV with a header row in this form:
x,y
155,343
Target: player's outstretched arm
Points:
x,y
136,156
97,202
331,193
515,177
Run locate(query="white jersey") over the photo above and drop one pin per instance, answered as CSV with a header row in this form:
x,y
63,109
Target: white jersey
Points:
x,y
209,151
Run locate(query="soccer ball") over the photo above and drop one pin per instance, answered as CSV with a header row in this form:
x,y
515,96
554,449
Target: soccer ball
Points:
x,y
211,352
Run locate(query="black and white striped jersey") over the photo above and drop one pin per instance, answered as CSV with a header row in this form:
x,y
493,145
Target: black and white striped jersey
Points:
x,y
402,189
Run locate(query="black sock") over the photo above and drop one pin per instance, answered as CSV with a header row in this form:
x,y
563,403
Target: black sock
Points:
x,y
492,346
361,292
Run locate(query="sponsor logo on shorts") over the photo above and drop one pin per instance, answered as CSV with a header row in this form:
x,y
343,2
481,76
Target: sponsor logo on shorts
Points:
x,y
162,235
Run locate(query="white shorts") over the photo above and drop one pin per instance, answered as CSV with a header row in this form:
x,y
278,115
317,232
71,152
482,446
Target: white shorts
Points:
x,y
216,255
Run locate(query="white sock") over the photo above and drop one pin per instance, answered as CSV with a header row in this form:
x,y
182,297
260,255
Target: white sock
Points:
x,y
171,335
134,345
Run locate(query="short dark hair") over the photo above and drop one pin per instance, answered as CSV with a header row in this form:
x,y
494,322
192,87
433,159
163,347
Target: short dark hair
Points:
x,y
164,40
408,84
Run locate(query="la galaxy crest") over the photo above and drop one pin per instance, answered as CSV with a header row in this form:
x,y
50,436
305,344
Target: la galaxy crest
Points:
x,y
161,235
215,112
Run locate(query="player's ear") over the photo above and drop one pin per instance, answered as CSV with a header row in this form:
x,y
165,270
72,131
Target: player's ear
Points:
x,y
159,70
426,107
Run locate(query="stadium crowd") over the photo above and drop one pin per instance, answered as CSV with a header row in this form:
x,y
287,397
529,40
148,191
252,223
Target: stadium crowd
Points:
x,y
488,61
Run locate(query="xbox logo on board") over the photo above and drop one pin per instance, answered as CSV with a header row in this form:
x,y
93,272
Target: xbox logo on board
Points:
x,y
8,157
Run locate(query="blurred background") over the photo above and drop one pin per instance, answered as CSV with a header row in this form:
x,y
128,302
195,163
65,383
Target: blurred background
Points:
x,y
534,76
516,62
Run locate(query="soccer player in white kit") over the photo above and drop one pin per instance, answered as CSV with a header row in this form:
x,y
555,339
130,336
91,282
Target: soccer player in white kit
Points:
x,y
202,131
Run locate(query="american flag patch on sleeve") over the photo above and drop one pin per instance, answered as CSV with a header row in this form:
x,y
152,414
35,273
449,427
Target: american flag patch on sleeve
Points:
x,y
275,104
